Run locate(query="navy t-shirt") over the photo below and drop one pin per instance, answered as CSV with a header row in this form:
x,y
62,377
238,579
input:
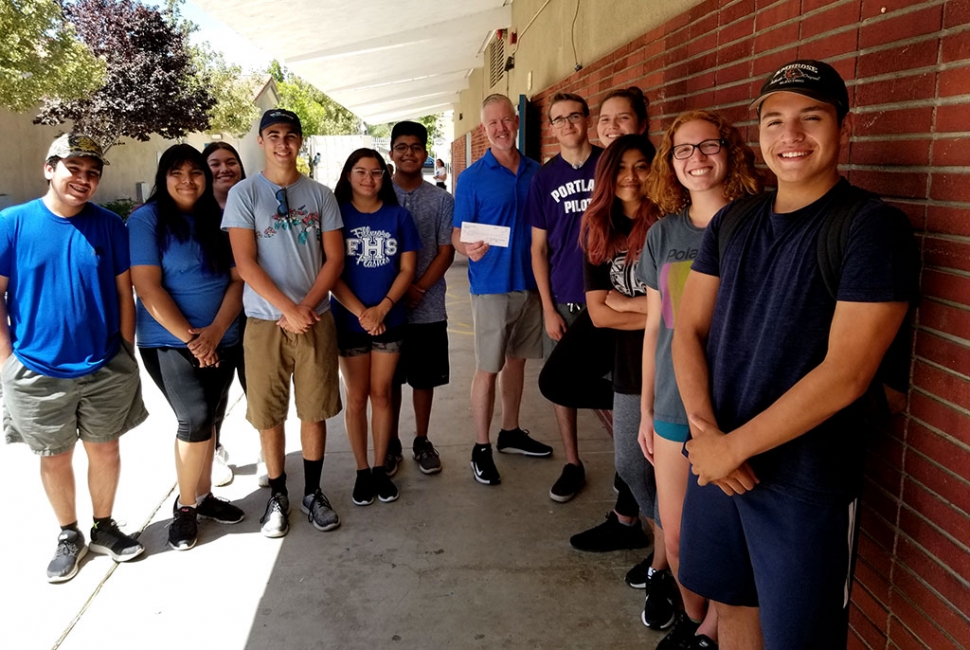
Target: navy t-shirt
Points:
x,y
373,246
771,326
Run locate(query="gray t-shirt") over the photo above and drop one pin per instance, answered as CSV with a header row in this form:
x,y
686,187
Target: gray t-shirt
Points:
x,y
672,245
432,209
289,249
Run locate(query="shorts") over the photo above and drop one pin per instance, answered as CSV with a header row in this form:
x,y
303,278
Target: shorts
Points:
x,y
50,414
424,356
354,344
569,311
671,431
274,356
791,557
195,394
506,325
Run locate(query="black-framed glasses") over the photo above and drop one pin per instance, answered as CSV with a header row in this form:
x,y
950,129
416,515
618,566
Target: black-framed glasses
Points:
x,y
283,209
707,147
403,148
572,118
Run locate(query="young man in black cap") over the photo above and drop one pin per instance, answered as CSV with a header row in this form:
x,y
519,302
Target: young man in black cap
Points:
x,y
770,362
68,364
286,238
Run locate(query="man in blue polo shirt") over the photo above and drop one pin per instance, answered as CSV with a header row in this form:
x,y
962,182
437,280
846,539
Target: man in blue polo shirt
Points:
x,y
506,311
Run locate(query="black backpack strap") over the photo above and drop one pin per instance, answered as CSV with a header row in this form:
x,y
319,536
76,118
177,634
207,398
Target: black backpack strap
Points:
x,y
844,203
733,216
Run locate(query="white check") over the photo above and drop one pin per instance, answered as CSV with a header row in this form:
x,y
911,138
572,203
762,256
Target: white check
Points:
x,y
491,235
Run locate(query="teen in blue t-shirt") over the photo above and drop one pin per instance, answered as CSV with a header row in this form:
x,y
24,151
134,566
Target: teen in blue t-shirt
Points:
x,y
380,258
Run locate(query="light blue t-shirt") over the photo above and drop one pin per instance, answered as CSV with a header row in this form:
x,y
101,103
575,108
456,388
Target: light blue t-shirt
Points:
x,y
62,295
433,211
197,292
489,193
289,249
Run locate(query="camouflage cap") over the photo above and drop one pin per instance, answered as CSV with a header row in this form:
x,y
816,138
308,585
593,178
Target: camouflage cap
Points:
x,y
72,145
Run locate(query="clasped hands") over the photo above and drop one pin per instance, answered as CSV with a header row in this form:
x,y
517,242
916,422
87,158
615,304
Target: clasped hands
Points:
x,y
713,459
203,345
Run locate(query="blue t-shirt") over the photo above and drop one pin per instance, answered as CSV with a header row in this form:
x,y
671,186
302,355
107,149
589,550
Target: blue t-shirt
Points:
x,y
557,200
771,325
62,295
489,193
374,243
197,292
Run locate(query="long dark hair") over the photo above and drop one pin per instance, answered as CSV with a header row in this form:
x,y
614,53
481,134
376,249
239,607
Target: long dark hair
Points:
x,y
216,146
597,235
345,194
216,254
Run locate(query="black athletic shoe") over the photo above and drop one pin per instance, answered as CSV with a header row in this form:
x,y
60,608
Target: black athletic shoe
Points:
x,y
637,576
67,557
393,457
518,441
610,536
569,483
184,529
701,642
483,467
658,605
384,486
220,510
680,634
108,539
426,456
363,488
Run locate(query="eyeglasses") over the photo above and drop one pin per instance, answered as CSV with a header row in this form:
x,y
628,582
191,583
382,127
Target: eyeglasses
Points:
x,y
361,174
283,209
707,147
403,148
572,118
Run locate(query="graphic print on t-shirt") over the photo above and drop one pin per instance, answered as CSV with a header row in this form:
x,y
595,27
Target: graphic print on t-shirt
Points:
x,y
624,279
566,193
298,219
673,277
372,248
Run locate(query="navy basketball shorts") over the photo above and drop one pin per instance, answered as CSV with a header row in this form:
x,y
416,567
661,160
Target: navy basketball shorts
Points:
x,y
790,556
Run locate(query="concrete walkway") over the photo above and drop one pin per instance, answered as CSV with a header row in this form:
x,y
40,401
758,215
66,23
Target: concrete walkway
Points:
x,y
452,564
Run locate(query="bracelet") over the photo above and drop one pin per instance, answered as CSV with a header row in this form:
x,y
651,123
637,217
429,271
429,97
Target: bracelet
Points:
x,y
389,298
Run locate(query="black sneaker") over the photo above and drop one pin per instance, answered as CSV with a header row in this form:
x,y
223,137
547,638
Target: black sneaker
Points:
x,y
363,488
276,519
220,510
108,539
701,642
319,512
384,486
637,576
658,605
426,456
610,536
483,467
394,456
67,557
518,441
569,483
680,635
184,529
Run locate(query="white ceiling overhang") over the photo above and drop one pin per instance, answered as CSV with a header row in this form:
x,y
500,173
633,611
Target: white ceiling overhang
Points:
x,y
385,60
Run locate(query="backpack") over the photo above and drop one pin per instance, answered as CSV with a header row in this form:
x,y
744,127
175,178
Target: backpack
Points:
x,y
886,395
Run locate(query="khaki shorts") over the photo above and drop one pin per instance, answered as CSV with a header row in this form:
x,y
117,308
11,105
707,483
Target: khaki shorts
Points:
x,y
274,356
506,325
50,414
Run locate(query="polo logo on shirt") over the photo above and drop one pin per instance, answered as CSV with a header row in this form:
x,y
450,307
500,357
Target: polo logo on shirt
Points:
x,y
372,248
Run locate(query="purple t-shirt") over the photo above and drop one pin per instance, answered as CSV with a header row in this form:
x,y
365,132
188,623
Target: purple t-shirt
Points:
x,y
557,199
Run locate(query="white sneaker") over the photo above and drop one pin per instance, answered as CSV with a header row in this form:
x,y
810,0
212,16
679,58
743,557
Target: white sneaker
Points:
x,y
221,472
262,476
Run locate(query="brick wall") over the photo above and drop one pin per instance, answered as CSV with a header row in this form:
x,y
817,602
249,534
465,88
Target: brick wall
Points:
x,y
907,64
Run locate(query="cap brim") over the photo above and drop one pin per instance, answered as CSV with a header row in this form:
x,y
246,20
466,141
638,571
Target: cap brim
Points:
x,y
805,92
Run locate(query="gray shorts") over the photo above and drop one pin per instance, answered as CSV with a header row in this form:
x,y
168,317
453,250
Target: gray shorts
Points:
x,y
506,325
569,311
50,414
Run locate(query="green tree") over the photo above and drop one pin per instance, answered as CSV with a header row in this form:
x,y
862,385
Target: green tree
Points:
x,y
319,114
429,121
235,108
41,56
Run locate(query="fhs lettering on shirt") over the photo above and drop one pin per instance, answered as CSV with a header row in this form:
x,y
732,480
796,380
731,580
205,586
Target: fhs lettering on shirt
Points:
x,y
372,248
580,186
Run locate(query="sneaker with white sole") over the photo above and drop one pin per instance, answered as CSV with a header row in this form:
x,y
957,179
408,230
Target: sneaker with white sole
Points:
x,y
221,471
483,467
275,521
658,605
219,510
108,539
426,456
319,512
569,483
518,441
67,557
393,457
183,531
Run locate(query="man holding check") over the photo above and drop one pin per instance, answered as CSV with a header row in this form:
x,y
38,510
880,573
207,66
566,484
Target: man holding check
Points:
x,y
506,311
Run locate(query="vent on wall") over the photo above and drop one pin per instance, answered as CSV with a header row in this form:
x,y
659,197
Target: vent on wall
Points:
x,y
495,55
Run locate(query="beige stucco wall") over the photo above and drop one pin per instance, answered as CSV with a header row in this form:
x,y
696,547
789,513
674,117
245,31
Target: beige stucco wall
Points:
x,y
545,49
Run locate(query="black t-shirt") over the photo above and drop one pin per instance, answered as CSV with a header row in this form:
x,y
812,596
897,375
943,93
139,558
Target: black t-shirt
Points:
x,y
618,275
771,325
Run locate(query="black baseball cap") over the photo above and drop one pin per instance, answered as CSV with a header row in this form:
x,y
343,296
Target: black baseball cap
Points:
x,y
280,116
815,79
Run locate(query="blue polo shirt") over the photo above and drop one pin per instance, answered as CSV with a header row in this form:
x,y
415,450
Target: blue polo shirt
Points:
x,y
489,193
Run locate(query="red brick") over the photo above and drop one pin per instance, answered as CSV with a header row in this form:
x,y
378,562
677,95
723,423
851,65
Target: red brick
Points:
x,y
897,28
742,29
891,183
876,585
704,63
779,13
770,39
898,89
862,623
812,5
906,120
728,54
938,611
881,531
700,82
854,642
703,26
940,416
943,352
955,81
731,94
703,44
830,20
898,59
891,152
949,519
926,465
930,538
956,47
934,574
945,318
827,47
676,23
878,559
956,13
768,63
950,187
901,638
708,8
882,499
952,152
728,14
952,117
877,8
951,221
675,54
946,253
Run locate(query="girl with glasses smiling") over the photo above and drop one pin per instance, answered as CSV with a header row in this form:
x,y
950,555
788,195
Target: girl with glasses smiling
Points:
x,y
381,243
